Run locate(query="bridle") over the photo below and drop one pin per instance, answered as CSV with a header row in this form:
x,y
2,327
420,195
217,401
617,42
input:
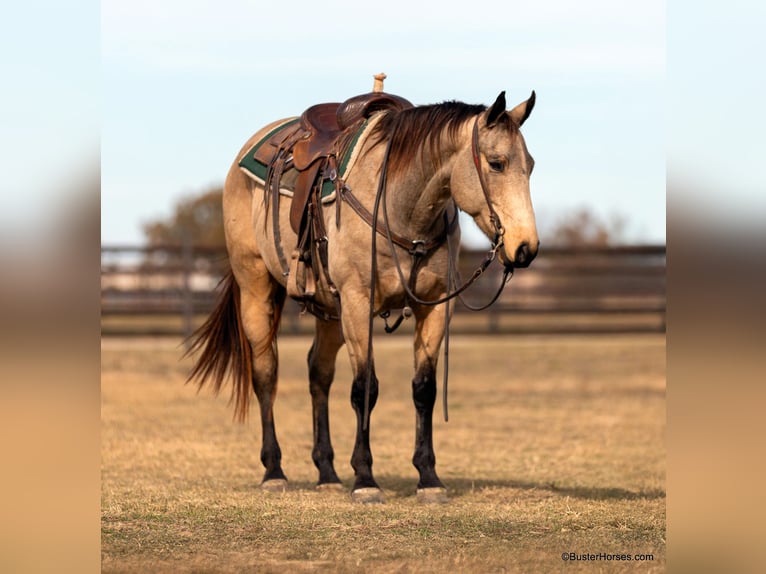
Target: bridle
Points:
x,y
494,218
418,253
418,249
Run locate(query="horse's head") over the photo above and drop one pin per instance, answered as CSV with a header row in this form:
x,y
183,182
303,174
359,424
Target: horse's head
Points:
x,y
490,181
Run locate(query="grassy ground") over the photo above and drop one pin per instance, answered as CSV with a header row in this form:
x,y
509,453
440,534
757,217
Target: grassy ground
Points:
x,y
554,445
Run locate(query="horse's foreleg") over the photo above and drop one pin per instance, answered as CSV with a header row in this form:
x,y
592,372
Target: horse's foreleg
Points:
x,y
321,361
355,328
429,332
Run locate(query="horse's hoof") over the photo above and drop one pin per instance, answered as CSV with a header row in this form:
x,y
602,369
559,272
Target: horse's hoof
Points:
x,y
368,495
274,485
331,487
433,495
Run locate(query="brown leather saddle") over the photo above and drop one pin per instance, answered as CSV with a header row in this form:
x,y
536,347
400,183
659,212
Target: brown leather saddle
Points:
x,y
306,153
308,145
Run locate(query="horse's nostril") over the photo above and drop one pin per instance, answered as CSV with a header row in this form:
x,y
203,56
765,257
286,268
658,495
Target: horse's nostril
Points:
x,y
522,252
524,256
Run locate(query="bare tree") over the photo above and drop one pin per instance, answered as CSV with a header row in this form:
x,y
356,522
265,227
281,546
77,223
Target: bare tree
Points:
x,y
196,218
583,228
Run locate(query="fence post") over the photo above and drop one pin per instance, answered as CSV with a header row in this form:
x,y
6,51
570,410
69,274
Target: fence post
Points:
x,y
187,264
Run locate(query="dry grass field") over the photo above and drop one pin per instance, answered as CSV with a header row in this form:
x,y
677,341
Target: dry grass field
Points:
x,y
555,444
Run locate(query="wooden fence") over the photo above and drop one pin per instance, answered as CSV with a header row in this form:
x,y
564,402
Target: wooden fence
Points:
x,y
170,289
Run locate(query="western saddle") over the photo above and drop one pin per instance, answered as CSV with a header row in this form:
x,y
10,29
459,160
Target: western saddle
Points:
x,y
311,147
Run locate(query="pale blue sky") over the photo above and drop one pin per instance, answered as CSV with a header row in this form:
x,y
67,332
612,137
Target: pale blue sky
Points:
x,y
184,84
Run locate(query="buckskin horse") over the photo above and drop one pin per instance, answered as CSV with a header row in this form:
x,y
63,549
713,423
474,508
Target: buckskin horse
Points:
x,y
363,196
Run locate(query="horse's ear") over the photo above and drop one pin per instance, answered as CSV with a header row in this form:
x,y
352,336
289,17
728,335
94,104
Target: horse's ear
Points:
x,y
497,110
520,113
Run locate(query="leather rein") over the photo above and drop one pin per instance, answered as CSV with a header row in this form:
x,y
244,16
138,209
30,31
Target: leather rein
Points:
x,y
418,250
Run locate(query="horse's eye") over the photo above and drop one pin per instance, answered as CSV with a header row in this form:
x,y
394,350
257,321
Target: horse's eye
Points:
x,y
497,165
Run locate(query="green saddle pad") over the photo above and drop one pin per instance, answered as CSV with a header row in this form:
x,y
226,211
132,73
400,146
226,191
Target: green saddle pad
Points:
x,y
258,170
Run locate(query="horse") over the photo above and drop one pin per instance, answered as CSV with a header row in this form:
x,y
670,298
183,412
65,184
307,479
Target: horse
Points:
x,y
419,165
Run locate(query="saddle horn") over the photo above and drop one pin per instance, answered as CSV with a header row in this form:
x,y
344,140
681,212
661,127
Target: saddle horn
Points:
x,y
377,86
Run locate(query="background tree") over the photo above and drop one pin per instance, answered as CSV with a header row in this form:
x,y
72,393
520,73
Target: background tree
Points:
x,y
198,218
583,228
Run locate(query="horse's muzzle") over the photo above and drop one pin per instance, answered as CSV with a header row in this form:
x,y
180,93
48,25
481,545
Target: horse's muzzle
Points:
x,y
524,255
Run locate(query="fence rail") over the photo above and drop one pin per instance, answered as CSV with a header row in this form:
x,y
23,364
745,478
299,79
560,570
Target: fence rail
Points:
x,y
169,289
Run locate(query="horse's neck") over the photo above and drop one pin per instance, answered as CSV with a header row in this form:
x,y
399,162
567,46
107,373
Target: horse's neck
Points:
x,y
418,198
417,201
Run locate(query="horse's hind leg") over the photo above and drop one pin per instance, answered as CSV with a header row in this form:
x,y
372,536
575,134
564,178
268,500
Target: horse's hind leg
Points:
x,y
429,331
261,305
321,359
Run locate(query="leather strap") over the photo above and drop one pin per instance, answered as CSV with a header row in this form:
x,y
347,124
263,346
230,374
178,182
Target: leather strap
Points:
x,y
412,246
274,177
493,216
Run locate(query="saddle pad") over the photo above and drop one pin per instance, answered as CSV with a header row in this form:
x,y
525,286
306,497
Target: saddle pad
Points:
x,y
257,170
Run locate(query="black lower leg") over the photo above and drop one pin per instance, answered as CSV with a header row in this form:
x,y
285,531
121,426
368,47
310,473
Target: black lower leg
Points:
x,y
271,454
322,453
424,396
361,459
